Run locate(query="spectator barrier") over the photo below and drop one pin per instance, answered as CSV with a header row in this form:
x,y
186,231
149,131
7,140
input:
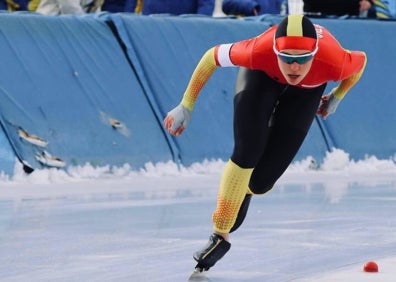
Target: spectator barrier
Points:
x,y
365,121
94,89
68,95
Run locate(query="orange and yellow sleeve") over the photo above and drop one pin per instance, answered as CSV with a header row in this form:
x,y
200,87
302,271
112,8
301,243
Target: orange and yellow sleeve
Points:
x,y
203,71
347,83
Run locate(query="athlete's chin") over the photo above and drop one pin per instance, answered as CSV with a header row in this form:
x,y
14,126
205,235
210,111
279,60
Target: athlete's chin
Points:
x,y
293,81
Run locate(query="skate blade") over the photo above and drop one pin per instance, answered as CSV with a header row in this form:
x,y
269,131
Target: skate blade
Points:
x,y
198,275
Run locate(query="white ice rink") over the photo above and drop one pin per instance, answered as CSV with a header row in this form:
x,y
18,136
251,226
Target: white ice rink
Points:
x,y
118,225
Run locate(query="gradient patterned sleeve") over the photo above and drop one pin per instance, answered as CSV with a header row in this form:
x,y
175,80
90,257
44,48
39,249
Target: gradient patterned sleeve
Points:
x,y
214,57
203,71
347,83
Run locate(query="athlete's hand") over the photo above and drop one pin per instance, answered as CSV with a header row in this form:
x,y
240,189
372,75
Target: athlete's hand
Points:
x,y
177,120
328,105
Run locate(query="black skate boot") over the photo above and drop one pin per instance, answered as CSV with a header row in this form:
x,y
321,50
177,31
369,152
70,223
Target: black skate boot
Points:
x,y
242,212
214,250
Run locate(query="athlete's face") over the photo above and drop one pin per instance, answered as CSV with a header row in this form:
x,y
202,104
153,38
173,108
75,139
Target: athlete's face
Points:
x,y
293,71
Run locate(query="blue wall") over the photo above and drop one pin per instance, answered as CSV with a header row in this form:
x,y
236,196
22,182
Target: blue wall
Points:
x,y
365,121
94,89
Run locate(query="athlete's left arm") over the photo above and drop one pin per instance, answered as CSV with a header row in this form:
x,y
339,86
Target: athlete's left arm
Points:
x,y
353,72
347,83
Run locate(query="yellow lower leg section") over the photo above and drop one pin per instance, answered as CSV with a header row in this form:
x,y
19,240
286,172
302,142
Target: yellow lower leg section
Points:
x,y
233,188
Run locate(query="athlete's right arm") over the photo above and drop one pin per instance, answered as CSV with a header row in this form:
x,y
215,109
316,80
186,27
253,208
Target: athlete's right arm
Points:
x,y
219,56
203,71
178,118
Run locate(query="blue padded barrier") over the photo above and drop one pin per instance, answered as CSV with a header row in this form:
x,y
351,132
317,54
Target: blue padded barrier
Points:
x,y
95,89
7,155
68,83
364,124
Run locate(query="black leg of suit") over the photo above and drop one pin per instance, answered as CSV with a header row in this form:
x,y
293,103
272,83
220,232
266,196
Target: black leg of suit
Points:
x,y
271,121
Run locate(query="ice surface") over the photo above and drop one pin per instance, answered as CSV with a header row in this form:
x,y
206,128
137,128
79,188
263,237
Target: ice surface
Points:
x,y
110,224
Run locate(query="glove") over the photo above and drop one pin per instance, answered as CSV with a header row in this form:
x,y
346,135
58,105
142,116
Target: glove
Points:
x,y
177,120
328,105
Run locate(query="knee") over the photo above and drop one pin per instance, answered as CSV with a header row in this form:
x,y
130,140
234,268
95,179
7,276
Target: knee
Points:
x,y
259,187
244,159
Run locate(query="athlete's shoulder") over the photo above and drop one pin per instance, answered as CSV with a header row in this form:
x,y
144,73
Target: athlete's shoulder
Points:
x,y
329,46
324,34
264,40
268,33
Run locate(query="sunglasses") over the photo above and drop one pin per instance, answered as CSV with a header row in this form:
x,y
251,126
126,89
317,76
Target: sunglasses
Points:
x,y
290,59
